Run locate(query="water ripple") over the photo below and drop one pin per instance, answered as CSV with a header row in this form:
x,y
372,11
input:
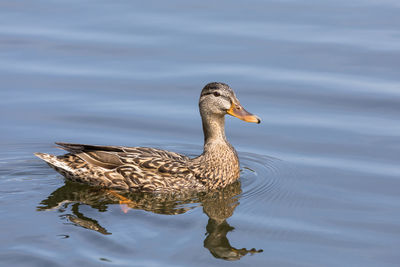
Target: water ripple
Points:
x,y
265,179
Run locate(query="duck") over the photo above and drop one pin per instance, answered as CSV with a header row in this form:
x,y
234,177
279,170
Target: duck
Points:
x,y
148,169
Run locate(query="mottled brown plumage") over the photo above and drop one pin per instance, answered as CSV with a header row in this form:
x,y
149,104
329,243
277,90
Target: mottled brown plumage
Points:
x,y
155,170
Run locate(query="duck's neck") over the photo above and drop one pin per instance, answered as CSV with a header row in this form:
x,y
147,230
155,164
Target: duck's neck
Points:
x,y
214,130
219,159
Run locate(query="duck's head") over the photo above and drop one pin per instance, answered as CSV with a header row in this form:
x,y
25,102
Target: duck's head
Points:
x,y
218,99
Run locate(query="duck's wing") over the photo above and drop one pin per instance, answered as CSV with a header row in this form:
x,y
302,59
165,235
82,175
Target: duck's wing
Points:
x,y
100,156
78,148
111,157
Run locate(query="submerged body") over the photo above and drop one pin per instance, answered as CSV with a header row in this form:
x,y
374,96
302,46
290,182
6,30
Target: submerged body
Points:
x,y
155,170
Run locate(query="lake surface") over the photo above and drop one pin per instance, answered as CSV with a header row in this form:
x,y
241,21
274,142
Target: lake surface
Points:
x,y
320,178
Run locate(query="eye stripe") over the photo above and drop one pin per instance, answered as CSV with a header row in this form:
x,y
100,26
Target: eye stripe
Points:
x,y
212,93
223,96
208,93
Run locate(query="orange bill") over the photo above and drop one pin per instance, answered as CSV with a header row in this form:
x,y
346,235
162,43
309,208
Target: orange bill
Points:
x,y
238,111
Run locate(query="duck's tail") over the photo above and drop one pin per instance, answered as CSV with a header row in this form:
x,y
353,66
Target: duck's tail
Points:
x,y
75,169
59,165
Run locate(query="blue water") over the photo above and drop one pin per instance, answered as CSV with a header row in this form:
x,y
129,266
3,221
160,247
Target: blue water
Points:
x,y
320,175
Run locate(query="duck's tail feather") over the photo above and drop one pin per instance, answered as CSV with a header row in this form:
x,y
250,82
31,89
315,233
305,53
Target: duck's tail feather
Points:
x,y
57,164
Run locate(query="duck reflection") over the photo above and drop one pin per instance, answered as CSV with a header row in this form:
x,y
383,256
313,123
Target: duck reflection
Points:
x,y
217,205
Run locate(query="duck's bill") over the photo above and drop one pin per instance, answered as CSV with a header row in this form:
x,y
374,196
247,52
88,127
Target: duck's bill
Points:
x,y
239,112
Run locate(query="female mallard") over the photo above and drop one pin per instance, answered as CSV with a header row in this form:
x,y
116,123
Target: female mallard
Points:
x,y
151,169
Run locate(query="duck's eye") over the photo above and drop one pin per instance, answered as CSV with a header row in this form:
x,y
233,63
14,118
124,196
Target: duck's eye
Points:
x,y
217,94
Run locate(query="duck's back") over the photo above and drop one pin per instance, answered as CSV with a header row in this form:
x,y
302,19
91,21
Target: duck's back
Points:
x,y
127,168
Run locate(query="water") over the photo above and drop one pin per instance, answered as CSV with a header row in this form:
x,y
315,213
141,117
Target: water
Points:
x,y
320,175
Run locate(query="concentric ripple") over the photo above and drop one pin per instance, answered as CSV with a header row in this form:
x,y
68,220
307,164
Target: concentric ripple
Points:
x,y
264,178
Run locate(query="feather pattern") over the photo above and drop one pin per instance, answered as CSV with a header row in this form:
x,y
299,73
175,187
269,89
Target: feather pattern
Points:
x,y
157,170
